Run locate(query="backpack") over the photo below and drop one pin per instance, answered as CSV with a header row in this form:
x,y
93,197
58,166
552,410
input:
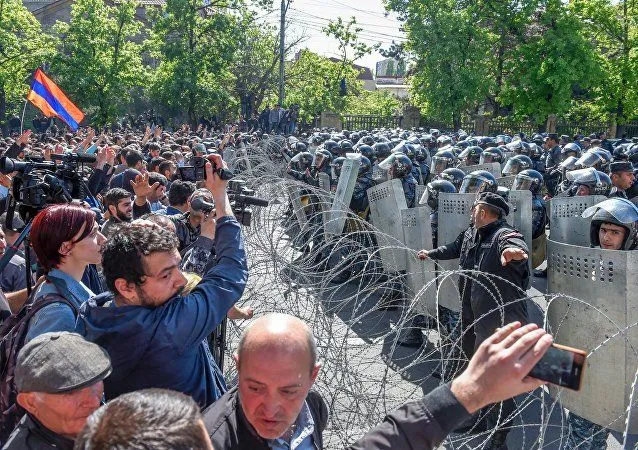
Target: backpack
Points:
x,y
13,333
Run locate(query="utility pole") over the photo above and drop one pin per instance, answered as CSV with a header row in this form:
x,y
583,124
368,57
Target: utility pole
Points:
x,y
282,43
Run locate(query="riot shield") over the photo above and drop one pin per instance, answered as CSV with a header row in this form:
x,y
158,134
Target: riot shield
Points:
x,y
565,223
494,168
386,202
454,217
506,181
325,197
520,217
294,193
417,234
420,190
343,196
603,324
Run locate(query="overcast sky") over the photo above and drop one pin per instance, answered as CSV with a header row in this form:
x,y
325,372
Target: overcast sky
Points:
x,y
309,16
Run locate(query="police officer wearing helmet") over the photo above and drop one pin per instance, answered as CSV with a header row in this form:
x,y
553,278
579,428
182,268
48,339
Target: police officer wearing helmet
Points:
x,y
359,203
588,181
477,182
442,160
454,175
490,155
491,295
517,164
471,156
614,226
568,150
398,165
531,180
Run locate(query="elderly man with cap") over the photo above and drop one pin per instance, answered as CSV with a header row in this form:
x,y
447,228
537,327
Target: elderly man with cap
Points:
x,y
493,294
622,177
58,377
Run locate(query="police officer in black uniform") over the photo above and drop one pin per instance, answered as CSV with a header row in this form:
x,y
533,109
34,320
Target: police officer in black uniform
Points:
x,y
489,247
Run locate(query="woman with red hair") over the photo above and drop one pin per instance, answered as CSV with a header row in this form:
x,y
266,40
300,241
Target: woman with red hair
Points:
x,y
66,239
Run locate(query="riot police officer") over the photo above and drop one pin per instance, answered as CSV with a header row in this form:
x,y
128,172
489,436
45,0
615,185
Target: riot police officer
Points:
x,y
489,247
398,165
454,175
477,182
532,180
471,156
359,203
517,164
614,226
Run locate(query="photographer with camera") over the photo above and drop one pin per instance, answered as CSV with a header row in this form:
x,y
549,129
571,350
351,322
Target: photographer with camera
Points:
x,y
155,336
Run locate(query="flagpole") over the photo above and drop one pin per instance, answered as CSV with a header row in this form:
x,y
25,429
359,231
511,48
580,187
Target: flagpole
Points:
x,y
23,111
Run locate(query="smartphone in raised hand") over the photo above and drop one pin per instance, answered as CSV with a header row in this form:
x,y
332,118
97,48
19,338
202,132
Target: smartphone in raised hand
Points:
x,y
561,365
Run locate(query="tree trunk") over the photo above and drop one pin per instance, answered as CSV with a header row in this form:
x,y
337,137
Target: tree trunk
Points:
x,y
3,112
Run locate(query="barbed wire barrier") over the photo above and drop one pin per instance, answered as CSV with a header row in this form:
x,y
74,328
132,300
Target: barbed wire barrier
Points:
x,y
335,284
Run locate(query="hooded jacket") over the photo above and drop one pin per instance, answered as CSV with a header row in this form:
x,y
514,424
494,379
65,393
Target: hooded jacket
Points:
x,y
165,346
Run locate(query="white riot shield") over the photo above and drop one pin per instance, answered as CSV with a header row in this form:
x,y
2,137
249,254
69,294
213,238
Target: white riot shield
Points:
x,y
343,196
386,202
506,181
420,190
604,326
325,197
454,217
294,193
565,223
228,155
417,232
520,217
494,168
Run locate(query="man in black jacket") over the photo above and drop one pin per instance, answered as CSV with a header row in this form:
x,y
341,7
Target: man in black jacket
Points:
x,y
267,406
494,293
277,365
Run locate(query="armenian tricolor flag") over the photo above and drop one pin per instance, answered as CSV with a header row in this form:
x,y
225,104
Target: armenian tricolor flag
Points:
x,y
47,96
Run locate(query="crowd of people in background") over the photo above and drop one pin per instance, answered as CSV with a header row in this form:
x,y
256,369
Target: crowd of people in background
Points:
x,y
132,279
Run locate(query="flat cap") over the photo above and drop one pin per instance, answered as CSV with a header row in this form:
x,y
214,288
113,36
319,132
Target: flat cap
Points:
x,y
493,200
621,166
59,362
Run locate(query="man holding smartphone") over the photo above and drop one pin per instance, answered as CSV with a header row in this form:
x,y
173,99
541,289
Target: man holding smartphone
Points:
x,y
493,293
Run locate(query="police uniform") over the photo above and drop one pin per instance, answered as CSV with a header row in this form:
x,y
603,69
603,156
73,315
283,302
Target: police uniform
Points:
x,y
409,189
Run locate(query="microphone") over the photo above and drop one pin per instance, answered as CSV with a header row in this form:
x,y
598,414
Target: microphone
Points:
x,y
199,204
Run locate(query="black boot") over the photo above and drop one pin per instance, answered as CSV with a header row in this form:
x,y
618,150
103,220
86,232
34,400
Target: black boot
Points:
x,y
410,336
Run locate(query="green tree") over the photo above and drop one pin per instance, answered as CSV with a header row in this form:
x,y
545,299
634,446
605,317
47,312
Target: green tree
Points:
x,y
453,69
313,82
97,62
613,27
374,103
195,46
23,47
543,70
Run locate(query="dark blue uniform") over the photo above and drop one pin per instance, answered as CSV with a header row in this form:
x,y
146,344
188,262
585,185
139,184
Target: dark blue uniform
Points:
x,y
409,189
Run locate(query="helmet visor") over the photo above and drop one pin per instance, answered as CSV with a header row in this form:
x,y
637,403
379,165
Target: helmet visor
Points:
x,y
622,209
523,183
472,185
512,167
439,164
589,159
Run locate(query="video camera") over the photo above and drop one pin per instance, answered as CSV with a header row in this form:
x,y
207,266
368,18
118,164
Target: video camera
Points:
x,y
197,170
41,183
240,199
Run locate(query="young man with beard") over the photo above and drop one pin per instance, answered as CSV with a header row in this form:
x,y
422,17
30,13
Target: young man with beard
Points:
x,y
155,336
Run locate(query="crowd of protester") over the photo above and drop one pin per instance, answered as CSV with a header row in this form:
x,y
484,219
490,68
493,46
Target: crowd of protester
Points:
x,y
111,350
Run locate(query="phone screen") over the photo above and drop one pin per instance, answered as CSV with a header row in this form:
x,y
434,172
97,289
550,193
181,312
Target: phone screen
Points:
x,y
560,367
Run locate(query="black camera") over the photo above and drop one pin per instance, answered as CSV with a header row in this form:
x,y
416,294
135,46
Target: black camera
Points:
x,y
197,170
42,183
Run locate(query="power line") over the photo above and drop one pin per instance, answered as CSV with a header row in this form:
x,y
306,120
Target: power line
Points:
x,y
364,32
395,27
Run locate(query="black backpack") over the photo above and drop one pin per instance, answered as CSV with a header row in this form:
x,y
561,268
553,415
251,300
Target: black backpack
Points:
x,y
13,333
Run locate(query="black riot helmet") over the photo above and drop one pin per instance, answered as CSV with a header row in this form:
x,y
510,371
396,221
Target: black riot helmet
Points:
x,y
322,158
617,211
405,148
517,164
331,146
299,147
381,150
632,154
367,151
365,166
346,146
471,155
398,165
454,175
490,155
432,190
419,154
301,161
442,160
528,179
337,164
478,181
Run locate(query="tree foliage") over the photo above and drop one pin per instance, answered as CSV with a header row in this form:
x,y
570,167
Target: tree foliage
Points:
x,y
97,62
23,47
